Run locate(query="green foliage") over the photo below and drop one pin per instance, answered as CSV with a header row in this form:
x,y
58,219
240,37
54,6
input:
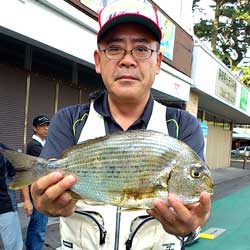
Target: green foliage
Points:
x,y
245,77
228,32
204,29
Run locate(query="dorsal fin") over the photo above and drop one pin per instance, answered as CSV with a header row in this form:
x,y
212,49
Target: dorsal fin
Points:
x,y
82,145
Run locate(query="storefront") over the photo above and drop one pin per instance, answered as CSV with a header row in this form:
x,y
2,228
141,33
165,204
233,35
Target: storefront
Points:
x,y
222,101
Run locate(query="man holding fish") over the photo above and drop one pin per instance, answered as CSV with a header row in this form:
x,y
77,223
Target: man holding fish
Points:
x,y
128,59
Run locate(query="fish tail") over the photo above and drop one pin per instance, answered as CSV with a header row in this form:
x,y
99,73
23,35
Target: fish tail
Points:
x,y
24,168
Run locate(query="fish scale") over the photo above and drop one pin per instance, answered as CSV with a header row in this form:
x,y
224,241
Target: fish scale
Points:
x,y
111,156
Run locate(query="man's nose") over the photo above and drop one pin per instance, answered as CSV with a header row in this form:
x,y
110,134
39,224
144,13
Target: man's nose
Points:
x,y
128,59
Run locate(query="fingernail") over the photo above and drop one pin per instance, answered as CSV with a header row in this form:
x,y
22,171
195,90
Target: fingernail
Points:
x,y
159,204
57,175
150,211
171,197
71,179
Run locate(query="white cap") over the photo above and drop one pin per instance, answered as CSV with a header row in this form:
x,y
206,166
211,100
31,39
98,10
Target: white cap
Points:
x,y
129,11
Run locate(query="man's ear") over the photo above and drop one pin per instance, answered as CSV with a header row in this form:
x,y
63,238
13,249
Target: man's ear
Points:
x,y
35,129
159,60
97,61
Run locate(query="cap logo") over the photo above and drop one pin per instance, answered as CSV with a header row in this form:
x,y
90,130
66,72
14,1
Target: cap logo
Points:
x,y
116,13
39,120
125,7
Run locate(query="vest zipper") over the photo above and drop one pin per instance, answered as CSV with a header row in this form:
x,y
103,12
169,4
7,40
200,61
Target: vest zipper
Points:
x,y
132,234
102,230
117,228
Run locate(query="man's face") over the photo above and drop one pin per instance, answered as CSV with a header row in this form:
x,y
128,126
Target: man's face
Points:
x,y
128,79
42,130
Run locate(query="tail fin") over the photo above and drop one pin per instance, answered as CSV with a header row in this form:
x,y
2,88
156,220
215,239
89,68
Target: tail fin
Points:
x,y
24,167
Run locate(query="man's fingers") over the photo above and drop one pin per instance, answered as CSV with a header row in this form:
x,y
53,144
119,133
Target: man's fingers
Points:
x,y
180,210
204,208
51,190
205,202
29,211
39,187
67,210
63,200
58,189
62,207
174,209
162,212
178,219
170,221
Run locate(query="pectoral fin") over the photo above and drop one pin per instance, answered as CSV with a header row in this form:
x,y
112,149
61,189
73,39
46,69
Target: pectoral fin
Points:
x,y
75,196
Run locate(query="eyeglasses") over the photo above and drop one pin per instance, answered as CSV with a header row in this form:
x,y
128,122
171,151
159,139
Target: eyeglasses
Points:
x,y
117,52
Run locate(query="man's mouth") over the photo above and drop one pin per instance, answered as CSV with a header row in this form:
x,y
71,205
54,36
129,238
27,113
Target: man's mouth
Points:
x,y
126,77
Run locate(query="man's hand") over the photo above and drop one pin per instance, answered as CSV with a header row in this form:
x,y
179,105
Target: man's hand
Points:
x,y
27,204
181,220
28,207
50,194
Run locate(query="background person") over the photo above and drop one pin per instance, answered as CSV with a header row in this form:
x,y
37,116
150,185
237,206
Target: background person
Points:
x,y
37,226
10,229
128,60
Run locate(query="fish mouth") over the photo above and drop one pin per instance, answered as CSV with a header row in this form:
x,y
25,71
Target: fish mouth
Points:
x,y
190,202
209,185
211,191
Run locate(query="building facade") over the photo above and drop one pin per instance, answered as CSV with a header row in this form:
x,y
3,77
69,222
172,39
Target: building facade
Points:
x,y
223,102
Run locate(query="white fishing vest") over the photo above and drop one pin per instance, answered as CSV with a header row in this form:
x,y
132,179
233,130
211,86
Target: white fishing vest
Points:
x,y
105,227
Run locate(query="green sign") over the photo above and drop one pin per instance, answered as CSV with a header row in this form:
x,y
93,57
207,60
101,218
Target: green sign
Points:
x,y
243,99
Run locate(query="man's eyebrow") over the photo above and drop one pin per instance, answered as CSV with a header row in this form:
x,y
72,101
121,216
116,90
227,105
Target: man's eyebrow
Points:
x,y
112,40
141,40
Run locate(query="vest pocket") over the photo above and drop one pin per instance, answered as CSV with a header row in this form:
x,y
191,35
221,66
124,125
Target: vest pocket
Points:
x,y
98,220
84,230
146,233
138,223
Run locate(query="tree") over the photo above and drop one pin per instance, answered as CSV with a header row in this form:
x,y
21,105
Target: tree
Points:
x,y
228,32
245,76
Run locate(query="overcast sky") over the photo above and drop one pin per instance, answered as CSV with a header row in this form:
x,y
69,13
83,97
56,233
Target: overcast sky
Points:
x,y
208,12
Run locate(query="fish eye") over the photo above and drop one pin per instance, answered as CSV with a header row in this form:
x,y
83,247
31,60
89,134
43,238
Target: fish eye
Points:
x,y
195,173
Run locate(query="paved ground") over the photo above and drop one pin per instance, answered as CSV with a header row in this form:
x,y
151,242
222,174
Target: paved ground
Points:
x,y
226,181
230,180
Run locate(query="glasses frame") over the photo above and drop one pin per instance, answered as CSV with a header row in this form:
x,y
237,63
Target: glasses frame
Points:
x,y
127,51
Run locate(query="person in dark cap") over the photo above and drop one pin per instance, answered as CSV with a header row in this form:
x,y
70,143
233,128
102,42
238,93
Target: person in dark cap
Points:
x,y
38,222
40,128
128,58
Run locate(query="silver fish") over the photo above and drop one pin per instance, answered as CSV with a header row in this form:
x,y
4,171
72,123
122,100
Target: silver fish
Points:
x,y
128,169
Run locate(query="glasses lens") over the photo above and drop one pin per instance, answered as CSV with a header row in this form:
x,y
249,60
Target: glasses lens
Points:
x,y
117,53
114,52
141,52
